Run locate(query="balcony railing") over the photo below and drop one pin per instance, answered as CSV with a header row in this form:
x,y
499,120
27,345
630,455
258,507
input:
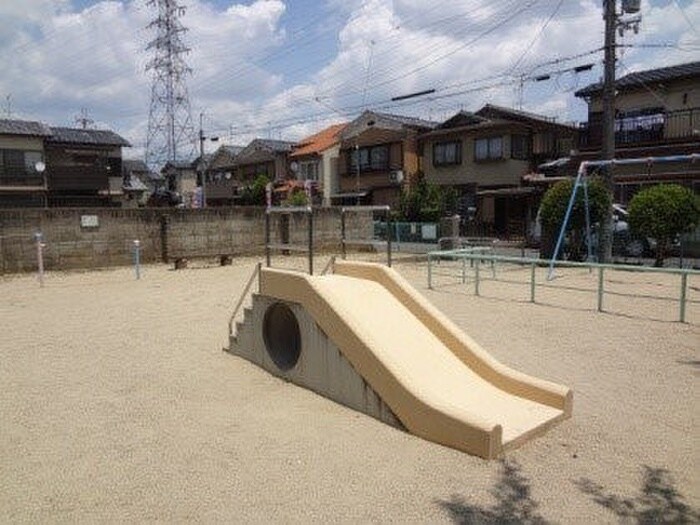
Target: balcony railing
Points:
x,y
21,181
660,128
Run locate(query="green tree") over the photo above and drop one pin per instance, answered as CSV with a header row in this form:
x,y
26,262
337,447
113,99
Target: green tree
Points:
x,y
663,212
555,202
296,198
254,194
427,202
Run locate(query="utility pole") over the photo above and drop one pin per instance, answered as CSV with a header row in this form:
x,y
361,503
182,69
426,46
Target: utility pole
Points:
x,y
608,131
628,18
200,164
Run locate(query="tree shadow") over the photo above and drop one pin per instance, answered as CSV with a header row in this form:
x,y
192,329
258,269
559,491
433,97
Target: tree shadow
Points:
x,y
658,502
514,504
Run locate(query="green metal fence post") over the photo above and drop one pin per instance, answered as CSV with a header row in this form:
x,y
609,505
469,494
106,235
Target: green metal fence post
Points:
x,y
600,288
684,287
532,282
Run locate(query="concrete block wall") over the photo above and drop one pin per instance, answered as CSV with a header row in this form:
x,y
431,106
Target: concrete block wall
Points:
x,y
321,366
164,234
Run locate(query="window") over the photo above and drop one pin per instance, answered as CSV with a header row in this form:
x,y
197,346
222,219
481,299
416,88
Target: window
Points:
x,y
488,149
308,170
372,158
519,147
447,153
18,163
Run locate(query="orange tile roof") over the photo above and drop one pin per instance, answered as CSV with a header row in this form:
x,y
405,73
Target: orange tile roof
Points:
x,y
320,141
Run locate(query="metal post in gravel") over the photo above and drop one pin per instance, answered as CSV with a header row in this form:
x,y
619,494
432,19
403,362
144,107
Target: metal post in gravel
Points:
x,y
684,287
137,259
476,277
600,288
40,256
464,270
532,282
430,272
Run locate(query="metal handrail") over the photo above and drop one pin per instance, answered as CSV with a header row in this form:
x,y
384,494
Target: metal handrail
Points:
x,y
251,280
309,248
329,265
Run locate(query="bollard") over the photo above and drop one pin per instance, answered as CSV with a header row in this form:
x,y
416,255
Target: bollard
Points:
x,y
38,236
430,272
476,276
532,282
137,259
684,287
464,270
600,289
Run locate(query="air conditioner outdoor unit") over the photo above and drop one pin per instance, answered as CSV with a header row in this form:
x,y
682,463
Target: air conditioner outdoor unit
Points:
x,y
396,176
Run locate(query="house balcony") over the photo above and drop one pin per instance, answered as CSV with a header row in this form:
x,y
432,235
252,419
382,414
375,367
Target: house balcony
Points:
x,y
22,183
644,130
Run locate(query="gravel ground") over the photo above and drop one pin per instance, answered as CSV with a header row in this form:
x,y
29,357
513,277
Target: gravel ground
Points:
x,y
118,405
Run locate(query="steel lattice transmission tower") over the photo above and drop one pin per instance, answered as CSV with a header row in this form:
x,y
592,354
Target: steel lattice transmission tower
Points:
x,y
171,135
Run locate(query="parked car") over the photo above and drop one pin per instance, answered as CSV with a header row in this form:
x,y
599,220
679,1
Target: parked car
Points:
x,y
625,243
164,198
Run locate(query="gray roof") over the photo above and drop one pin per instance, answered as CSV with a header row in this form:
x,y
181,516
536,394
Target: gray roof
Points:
x,y
24,127
134,165
232,150
640,78
97,137
133,183
280,146
408,121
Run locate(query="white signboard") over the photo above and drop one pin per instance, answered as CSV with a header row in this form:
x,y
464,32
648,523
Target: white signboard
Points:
x,y
89,221
428,231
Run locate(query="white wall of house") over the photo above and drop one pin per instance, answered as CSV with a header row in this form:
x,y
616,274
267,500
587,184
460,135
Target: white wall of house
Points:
x,y
328,173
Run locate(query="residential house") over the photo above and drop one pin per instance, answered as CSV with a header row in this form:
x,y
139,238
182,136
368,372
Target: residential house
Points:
x,y
484,155
378,154
135,183
21,153
138,169
657,113
315,161
79,163
221,186
181,178
264,157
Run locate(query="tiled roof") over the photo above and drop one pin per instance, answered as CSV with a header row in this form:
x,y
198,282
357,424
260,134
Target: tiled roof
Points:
x,y
320,141
129,165
408,121
232,150
133,183
640,78
24,127
98,137
275,145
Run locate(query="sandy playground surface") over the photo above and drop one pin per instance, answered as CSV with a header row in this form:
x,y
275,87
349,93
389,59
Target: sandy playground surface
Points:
x,y
118,405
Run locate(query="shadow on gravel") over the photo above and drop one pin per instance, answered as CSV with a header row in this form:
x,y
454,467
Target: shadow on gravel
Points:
x,y
658,502
514,505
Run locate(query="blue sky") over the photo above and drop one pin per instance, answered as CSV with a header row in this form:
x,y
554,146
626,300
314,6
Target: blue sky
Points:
x,y
286,69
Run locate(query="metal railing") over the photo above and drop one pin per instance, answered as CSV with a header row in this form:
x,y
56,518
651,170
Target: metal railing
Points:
x,y
344,241
308,248
477,259
255,275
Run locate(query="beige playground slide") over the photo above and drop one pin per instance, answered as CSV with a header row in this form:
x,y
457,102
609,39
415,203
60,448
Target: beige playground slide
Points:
x,y
438,382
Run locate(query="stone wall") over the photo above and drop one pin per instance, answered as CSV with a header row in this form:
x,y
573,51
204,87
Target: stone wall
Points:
x,y
99,237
